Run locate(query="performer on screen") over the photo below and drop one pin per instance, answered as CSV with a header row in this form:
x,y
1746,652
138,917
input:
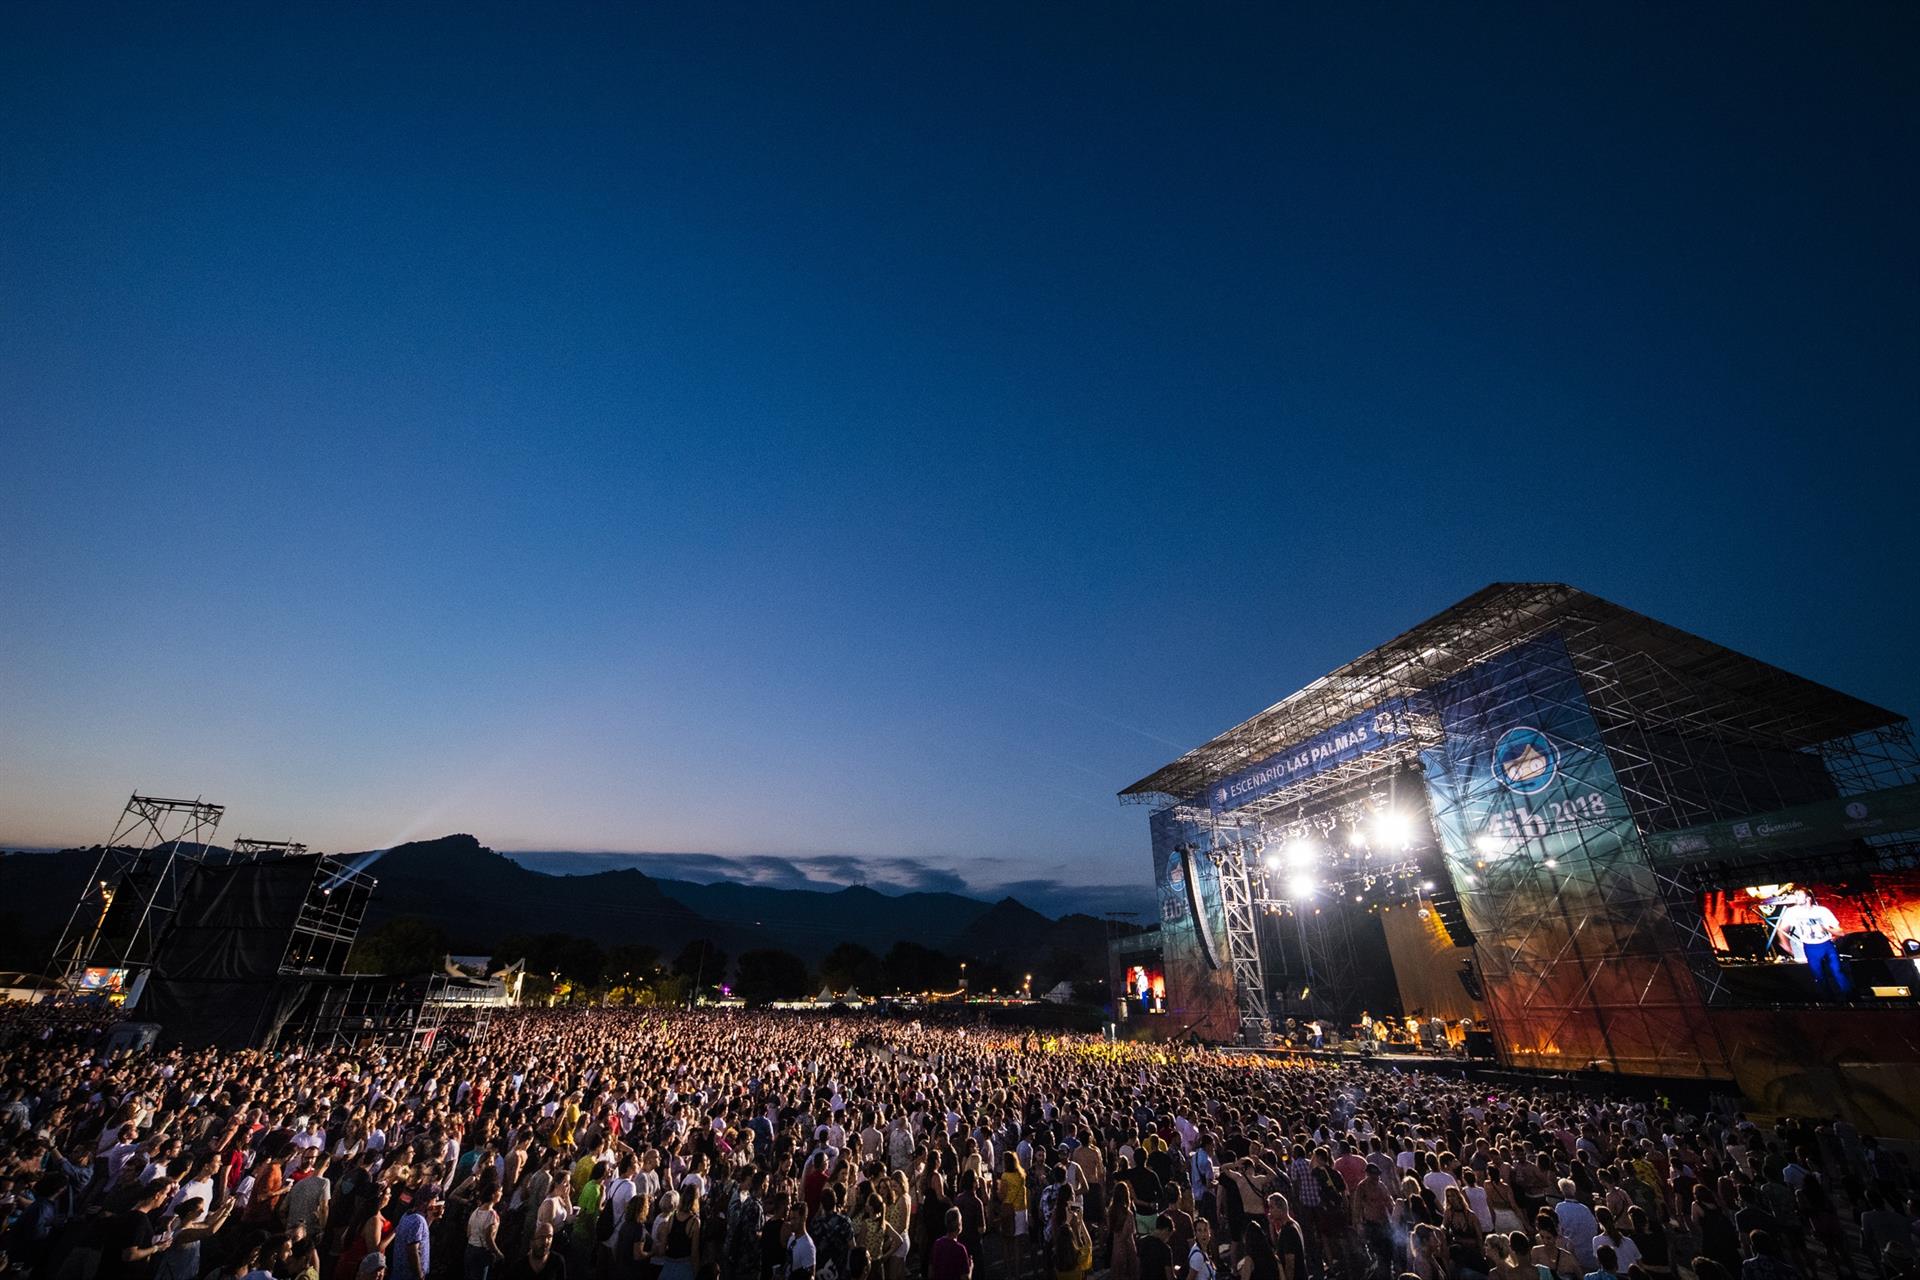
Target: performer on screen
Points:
x,y
1809,930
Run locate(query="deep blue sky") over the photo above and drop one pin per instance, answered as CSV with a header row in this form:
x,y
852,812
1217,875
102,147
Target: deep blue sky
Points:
x,y
865,430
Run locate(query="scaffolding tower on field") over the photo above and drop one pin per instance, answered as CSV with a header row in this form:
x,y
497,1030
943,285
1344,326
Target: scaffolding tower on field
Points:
x,y
131,897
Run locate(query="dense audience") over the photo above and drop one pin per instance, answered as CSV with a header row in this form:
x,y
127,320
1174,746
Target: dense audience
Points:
x,y
651,1145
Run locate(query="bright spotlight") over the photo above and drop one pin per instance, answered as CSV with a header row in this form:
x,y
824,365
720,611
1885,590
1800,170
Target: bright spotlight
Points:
x,y
1393,828
1356,837
1301,886
1491,845
1300,852
1426,886
1270,861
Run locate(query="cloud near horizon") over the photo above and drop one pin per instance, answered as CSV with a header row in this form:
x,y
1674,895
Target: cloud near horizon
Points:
x,y
829,873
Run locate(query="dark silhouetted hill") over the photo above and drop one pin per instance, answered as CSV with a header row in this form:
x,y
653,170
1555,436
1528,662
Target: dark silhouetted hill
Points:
x,y
478,897
810,923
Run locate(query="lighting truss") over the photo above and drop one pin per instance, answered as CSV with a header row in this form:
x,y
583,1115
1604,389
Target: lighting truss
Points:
x,y
324,932
247,848
1259,880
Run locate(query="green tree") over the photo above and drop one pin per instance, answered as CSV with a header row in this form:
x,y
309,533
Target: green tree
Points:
x,y
407,945
632,973
852,965
989,974
631,962
768,974
561,957
912,967
669,991
702,964
1064,965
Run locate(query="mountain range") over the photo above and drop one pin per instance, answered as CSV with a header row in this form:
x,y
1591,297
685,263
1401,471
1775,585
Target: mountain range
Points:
x,y
478,897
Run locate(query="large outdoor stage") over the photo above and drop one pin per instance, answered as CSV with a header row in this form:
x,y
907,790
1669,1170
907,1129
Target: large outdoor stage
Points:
x,y
1614,846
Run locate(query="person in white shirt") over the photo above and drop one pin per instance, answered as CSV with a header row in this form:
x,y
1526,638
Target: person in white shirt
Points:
x,y
800,1251
1200,1262
1625,1250
621,1188
1810,932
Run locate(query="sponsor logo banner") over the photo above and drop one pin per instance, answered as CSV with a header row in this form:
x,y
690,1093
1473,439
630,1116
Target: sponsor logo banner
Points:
x,y
1893,811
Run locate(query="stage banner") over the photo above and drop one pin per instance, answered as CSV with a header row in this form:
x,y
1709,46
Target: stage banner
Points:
x,y
1382,726
1579,959
1522,772
1201,996
1826,822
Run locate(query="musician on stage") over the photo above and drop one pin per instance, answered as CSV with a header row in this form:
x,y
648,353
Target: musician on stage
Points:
x,y
1810,932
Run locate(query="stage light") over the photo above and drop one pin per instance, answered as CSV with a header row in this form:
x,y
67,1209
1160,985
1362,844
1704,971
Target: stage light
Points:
x,y
1301,886
1300,852
1551,863
1393,828
1426,886
1491,845
1356,837
1356,897
1271,861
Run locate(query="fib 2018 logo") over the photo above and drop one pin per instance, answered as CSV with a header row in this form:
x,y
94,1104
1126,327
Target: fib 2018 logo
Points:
x,y
1525,760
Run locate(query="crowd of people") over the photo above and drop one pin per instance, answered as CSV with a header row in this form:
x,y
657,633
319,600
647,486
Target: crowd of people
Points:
x,y
728,1145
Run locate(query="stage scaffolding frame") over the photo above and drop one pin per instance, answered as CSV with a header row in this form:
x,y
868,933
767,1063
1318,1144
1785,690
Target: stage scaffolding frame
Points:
x,y
354,1010
249,847
1599,958
1243,944
143,865
329,920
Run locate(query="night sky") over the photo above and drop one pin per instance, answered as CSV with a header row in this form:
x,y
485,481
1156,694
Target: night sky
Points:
x,y
889,431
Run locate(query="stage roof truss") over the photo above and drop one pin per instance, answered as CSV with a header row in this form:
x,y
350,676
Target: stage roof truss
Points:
x,y
1672,680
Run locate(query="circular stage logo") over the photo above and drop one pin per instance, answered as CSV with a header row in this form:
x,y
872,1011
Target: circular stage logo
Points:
x,y
1856,811
1524,760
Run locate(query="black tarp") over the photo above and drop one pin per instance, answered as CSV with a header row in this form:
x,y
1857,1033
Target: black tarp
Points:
x,y
216,978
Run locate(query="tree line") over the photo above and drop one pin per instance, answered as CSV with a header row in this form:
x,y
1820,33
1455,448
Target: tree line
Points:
x,y
567,967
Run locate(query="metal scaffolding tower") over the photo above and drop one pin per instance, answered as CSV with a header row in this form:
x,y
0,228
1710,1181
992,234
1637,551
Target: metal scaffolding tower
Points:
x,y
134,891
1243,943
